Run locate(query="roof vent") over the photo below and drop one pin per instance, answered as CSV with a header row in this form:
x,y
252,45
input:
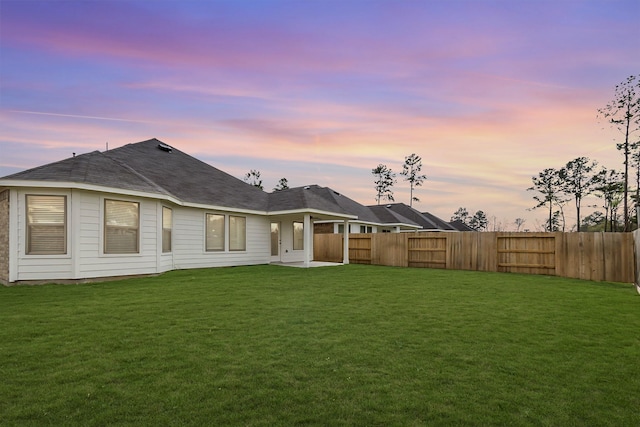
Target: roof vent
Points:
x,y
307,187
336,193
165,147
388,206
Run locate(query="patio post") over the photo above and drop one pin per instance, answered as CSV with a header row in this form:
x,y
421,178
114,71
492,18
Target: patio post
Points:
x,y
345,249
308,240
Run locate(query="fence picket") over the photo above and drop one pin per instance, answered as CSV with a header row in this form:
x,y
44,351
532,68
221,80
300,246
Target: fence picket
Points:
x,y
590,256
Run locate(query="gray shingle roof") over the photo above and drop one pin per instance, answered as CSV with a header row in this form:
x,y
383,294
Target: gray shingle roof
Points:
x,y
308,197
145,167
327,199
388,216
156,168
460,226
426,220
444,225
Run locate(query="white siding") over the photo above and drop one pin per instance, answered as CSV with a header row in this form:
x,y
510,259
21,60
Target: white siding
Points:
x,y
189,241
86,259
164,260
93,262
41,267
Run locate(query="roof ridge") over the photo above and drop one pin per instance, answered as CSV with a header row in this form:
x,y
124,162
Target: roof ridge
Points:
x,y
135,172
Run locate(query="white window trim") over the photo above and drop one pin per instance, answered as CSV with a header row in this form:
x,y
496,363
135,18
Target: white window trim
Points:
x,y
245,233
103,215
224,238
170,251
23,223
293,235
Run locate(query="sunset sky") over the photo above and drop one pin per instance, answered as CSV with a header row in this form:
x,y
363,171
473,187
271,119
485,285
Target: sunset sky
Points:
x,y
489,93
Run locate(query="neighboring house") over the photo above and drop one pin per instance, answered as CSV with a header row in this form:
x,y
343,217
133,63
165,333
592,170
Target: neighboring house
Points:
x,y
389,218
425,220
370,219
461,226
147,208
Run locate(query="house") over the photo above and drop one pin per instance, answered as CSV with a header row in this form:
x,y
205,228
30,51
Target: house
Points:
x,y
147,208
389,218
426,221
370,219
461,226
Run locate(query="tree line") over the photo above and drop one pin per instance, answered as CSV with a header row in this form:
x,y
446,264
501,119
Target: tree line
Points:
x,y
555,188
581,177
385,178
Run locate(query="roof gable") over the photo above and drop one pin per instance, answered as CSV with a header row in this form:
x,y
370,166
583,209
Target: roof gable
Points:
x,y
188,178
152,167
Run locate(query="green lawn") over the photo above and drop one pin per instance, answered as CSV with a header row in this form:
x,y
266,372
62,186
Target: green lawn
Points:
x,y
353,345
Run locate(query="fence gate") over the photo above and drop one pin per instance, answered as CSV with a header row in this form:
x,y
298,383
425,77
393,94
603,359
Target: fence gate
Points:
x,y
530,254
429,252
360,249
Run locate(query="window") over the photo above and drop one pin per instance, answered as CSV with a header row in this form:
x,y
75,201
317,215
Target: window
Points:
x,y
121,227
275,238
215,233
237,233
341,228
366,229
46,225
167,227
298,236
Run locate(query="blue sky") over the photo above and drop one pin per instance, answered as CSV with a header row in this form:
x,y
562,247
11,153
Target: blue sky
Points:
x,y
489,93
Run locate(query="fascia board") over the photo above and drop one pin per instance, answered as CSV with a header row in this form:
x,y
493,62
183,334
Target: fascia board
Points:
x,y
379,224
402,224
123,192
312,211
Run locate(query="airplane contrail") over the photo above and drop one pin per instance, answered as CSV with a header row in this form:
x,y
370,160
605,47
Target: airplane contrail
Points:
x,y
77,116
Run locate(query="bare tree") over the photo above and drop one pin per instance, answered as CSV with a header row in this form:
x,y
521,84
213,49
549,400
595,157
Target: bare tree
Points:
x,y
384,180
411,171
253,177
623,113
519,222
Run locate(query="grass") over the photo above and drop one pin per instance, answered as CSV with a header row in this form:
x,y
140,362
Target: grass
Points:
x,y
353,345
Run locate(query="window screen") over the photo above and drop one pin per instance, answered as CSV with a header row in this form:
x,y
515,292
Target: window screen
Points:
x,y
121,227
167,228
215,232
237,233
46,225
298,236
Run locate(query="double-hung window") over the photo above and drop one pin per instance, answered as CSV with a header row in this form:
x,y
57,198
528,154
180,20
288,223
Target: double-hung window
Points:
x,y
366,229
46,225
298,236
167,228
121,227
215,232
237,233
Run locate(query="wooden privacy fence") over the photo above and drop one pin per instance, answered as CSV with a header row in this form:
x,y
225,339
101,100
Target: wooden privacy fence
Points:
x,y
590,256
